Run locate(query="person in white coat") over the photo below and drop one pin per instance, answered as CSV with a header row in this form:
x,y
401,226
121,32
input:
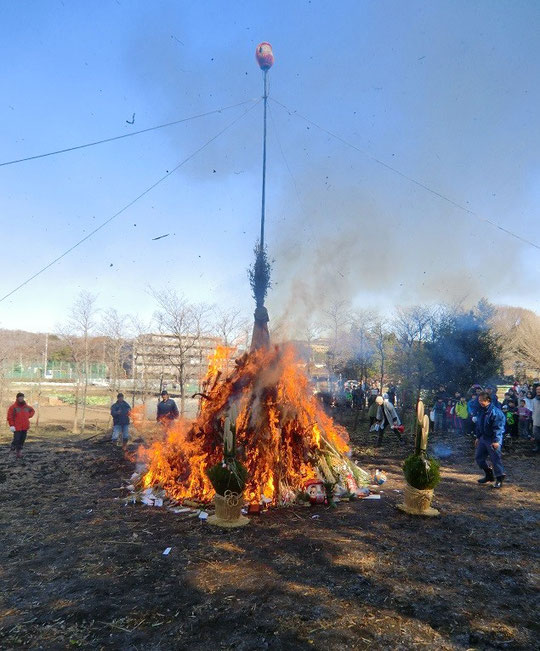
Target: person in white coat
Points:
x,y
387,416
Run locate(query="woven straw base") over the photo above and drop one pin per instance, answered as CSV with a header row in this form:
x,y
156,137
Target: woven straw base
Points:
x,y
431,512
418,502
228,511
228,524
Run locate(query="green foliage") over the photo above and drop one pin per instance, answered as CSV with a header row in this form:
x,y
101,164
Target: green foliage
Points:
x,y
259,275
421,472
302,497
329,488
464,349
361,477
228,476
69,399
63,354
447,346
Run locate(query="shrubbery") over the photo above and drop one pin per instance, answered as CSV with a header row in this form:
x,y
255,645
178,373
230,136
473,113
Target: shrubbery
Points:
x,y
101,401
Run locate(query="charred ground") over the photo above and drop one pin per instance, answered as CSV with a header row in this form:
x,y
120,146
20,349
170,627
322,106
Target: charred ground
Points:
x,y
80,569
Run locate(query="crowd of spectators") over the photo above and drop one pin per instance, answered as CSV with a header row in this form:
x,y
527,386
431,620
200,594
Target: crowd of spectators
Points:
x,y
520,405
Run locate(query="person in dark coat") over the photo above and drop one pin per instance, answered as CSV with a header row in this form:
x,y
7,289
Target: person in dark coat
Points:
x,y
167,411
494,400
439,409
490,425
18,417
358,397
473,407
120,414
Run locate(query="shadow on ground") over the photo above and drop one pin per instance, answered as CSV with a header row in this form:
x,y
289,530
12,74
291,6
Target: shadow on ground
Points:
x,y
81,569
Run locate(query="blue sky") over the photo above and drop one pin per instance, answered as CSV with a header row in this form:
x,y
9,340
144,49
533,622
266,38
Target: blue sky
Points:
x,y
446,92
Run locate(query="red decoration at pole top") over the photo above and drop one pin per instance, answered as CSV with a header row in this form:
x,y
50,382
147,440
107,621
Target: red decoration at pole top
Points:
x,y
264,56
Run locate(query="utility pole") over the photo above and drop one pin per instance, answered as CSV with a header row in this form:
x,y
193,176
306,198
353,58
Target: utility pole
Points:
x,y
42,376
46,355
263,198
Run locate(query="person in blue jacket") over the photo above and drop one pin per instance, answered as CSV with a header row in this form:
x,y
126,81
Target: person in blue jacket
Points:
x,y
494,400
490,425
120,414
472,408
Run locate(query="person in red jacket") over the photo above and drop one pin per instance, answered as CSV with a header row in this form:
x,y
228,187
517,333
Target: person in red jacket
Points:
x,y
18,417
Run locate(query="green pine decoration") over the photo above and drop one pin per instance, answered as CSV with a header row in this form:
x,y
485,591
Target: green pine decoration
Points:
x,y
421,472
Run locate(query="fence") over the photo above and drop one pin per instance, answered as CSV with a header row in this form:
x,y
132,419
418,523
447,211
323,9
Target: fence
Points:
x,y
55,371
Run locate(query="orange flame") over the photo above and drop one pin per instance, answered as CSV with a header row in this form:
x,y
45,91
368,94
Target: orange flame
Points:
x,y
282,431
219,361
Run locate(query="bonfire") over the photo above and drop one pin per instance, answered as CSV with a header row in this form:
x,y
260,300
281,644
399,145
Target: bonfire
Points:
x,y
283,436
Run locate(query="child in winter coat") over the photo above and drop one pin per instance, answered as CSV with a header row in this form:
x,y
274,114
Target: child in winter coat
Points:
x,y
512,419
462,414
525,416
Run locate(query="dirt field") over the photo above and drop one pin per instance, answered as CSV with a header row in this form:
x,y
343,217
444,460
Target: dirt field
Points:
x,y
81,569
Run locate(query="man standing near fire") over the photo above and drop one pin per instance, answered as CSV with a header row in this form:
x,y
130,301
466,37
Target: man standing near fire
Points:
x,y
120,414
167,411
18,417
490,426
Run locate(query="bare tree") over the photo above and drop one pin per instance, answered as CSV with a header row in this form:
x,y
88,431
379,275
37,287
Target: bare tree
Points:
x,y
412,327
140,360
201,324
185,322
4,381
115,328
528,341
229,325
76,335
338,318
74,354
412,323
380,339
312,332
361,344
519,331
